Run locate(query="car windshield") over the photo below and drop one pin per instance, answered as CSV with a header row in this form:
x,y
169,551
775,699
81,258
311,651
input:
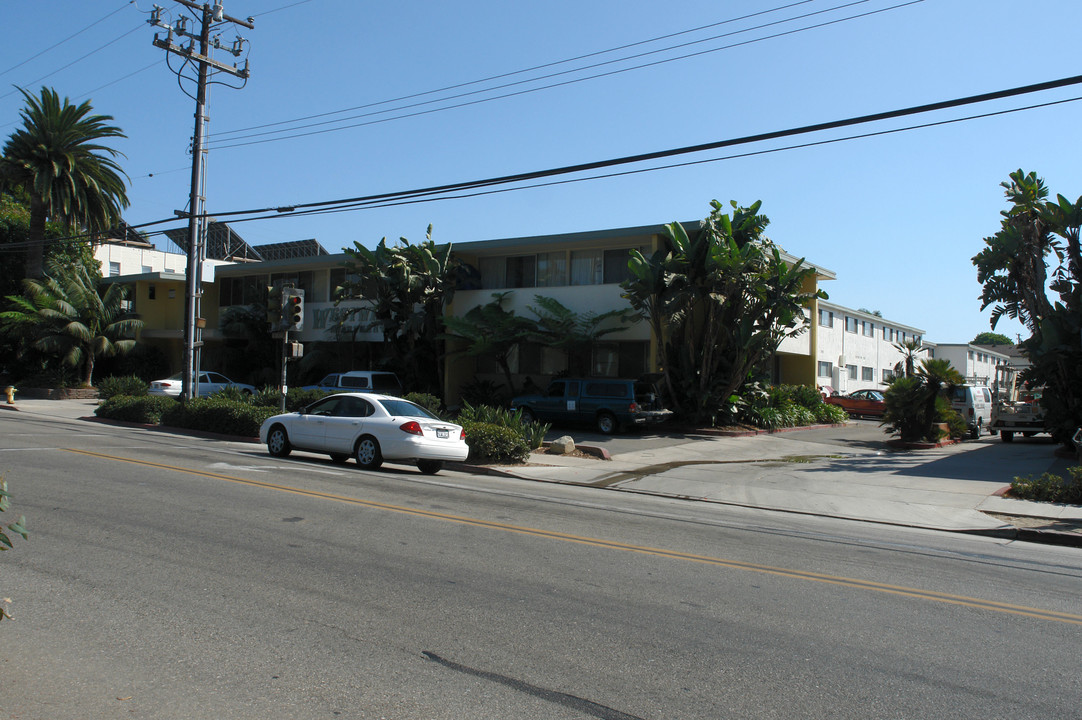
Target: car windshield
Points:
x,y
405,408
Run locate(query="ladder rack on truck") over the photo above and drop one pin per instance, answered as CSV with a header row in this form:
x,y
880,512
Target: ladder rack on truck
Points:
x,y
1016,407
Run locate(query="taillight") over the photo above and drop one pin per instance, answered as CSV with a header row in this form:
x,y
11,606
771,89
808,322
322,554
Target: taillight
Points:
x,y
633,407
462,434
412,427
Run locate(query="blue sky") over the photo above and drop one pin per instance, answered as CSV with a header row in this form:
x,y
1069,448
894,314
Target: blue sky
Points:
x,y
897,216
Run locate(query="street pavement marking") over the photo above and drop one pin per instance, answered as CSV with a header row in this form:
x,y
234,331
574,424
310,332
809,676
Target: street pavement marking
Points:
x,y
948,598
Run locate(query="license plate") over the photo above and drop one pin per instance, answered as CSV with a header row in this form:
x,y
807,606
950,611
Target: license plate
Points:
x,y
443,433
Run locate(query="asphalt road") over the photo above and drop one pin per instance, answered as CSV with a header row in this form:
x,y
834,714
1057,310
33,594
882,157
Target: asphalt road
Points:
x,y
175,577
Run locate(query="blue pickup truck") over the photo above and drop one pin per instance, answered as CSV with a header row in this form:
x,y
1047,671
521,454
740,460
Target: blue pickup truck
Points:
x,y
609,404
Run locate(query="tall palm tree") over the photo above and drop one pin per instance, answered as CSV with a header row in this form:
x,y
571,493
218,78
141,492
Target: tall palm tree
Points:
x,y
68,313
55,159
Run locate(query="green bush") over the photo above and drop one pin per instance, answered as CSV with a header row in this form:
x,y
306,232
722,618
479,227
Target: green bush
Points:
x,y
234,393
905,401
218,415
267,397
491,442
1050,488
427,401
297,399
146,409
127,385
532,433
827,414
483,392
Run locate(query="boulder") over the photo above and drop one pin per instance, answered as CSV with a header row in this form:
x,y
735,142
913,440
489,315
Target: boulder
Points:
x,y
562,446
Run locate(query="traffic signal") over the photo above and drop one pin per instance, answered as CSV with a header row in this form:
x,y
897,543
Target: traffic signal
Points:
x,y
274,307
293,309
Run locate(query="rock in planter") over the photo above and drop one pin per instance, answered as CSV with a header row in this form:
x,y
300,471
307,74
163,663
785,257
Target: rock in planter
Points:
x,y
562,446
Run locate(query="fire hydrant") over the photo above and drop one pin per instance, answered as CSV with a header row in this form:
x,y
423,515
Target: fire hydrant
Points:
x,y
10,390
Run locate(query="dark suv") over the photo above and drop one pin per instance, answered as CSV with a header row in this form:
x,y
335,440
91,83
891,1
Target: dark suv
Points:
x,y
609,404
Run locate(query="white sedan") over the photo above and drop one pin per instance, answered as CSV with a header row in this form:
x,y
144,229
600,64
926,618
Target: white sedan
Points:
x,y
370,427
209,383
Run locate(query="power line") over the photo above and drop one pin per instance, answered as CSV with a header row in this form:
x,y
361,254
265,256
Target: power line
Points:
x,y
69,37
513,72
818,127
432,194
230,143
76,60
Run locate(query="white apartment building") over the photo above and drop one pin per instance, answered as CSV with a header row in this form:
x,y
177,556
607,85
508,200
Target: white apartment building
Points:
x,y
976,363
855,350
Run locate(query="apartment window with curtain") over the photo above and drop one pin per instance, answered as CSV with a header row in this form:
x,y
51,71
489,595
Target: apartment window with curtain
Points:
x,y
520,271
492,272
587,267
869,329
825,369
826,318
867,374
616,266
851,371
850,324
551,269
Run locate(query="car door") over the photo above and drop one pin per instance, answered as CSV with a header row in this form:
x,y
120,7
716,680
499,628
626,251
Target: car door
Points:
x,y
215,382
345,423
308,429
551,407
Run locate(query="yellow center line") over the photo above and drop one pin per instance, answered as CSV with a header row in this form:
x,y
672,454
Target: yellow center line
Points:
x,y
902,590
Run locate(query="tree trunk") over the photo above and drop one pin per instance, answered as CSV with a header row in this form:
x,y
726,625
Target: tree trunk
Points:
x,y
36,253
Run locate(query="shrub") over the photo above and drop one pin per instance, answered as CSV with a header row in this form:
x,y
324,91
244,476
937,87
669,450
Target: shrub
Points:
x,y
218,415
146,409
234,393
267,397
427,401
127,385
1050,488
828,414
532,433
905,402
17,527
491,442
297,399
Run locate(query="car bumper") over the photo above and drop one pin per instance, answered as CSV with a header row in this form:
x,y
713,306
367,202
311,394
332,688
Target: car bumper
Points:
x,y
412,447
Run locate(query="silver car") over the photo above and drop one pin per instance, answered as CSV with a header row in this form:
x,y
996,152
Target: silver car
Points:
x,y
369,427
209,383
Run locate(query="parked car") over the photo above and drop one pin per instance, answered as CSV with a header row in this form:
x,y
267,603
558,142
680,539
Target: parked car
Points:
x,y
861,402
371,428
359,381
610,404
974,404
208,384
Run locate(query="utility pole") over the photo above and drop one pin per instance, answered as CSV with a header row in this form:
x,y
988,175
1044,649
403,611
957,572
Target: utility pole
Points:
x,y
210,16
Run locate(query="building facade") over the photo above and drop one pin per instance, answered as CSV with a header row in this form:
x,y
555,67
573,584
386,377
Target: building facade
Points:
x,y
858,350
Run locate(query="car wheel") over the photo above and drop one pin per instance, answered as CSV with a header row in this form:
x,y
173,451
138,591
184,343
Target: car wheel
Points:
x,y
606,423
278,442
246,392
339,458
368,454
1006,436
430,467
527,416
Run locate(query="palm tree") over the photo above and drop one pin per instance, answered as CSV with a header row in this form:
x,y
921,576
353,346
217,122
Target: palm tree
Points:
x,y
939,377
55,161
910,349
69,314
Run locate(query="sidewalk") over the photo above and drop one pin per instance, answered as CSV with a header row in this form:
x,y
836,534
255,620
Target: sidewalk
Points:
x,y
953,488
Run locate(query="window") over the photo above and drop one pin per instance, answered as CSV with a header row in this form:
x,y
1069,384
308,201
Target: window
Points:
x,y
114,269
869,329
616,266
887,374
851,370
970,354
586,267
826,369
151,291
606,360
520,271
492,269
850,324
551,269
147,269
826,318
888,334
867,374
338,278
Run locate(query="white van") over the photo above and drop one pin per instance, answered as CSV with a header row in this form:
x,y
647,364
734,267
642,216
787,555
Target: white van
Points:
x,y
974,404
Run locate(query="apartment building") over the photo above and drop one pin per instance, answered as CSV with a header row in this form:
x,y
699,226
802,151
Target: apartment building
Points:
x,y
976,363
856,349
